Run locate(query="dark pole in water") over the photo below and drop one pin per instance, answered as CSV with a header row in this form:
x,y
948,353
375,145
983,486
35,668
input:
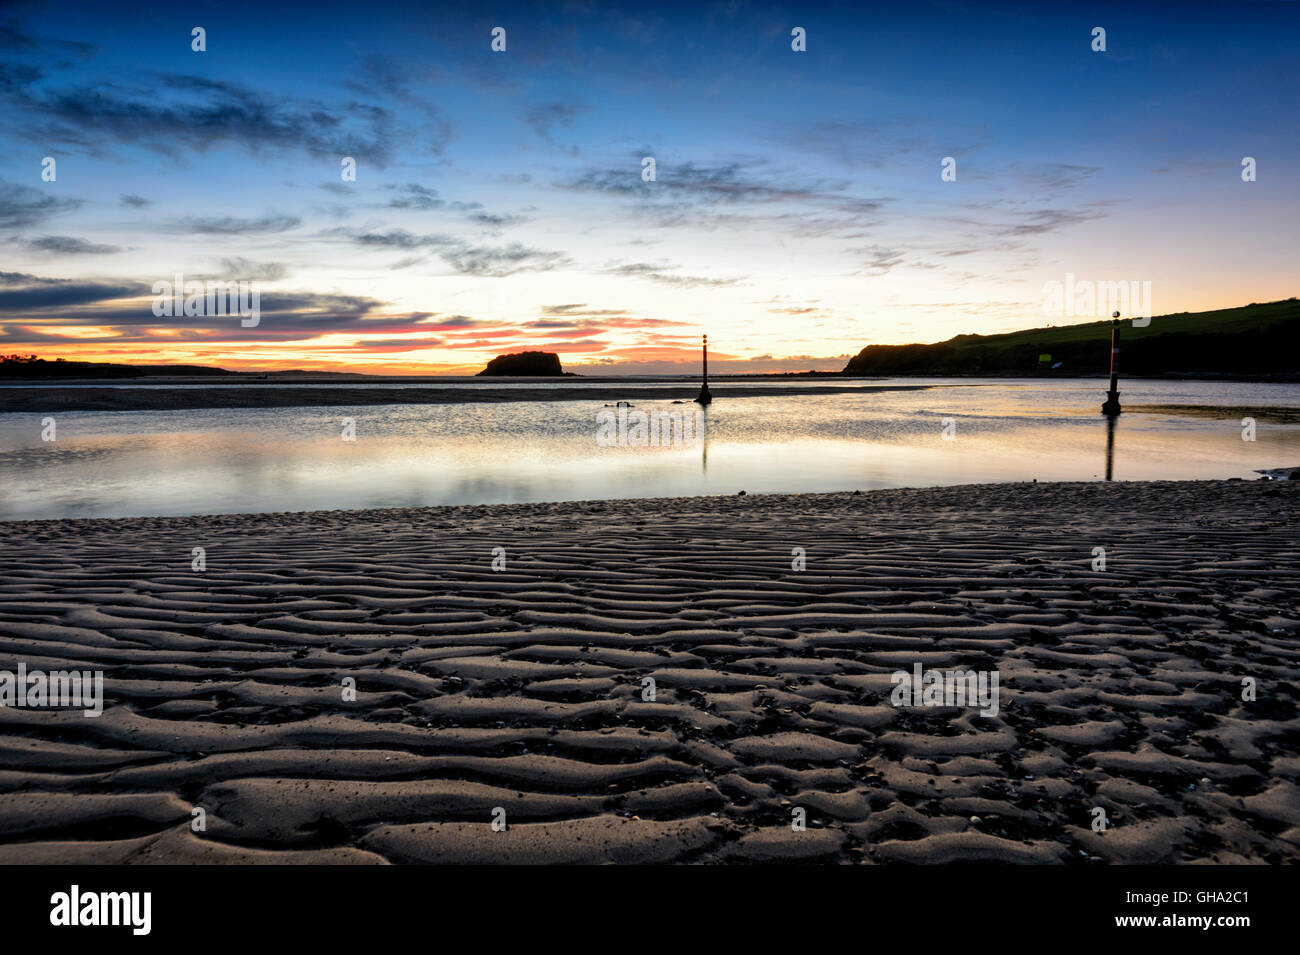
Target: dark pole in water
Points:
x,y
704,397
1110,407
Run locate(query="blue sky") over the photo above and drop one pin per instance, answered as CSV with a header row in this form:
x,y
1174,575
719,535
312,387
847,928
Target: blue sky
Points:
x,y
798,211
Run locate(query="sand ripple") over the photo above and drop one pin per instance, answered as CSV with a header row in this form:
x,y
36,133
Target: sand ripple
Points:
x,y
522,688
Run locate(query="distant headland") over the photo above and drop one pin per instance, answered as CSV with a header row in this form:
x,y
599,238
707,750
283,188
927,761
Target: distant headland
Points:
x,y
1256,340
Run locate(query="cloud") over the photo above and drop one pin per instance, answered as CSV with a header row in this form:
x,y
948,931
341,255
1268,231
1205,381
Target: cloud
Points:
x,y
380,75
741,194
396,239
33,309
68,245
1056,176
24,205
238,268
501,261
27,292
466,258
661,274
882,142
232,225
395,344
457,321
415,196
545,117
570,322
179,114
26,278
736,181
1040,221
881,260
133,201
421,198
15,40
581,310
496,221
17,77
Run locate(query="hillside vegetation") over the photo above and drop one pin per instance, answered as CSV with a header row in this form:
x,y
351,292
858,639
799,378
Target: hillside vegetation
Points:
x,y
1252,340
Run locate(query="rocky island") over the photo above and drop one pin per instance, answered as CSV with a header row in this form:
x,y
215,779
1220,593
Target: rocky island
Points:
x,y
535,363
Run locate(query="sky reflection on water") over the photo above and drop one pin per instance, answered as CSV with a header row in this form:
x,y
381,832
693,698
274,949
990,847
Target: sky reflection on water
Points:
x,y
113,464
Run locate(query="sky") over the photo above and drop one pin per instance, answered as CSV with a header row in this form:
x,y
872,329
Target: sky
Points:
x,y
798,211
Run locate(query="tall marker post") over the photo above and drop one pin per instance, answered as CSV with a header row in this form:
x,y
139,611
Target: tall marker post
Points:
x,y
704,397
1110,407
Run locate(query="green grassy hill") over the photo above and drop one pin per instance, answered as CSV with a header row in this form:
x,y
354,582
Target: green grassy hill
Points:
x,y
1253,340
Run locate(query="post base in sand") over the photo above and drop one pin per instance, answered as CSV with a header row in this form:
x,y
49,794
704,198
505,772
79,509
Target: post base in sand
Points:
x,y
1110,407
704,397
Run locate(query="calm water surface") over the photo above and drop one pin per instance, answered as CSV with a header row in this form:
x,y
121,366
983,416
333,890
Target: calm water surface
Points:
x,y
137,463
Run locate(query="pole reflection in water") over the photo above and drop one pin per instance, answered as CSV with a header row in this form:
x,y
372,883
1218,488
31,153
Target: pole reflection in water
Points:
x,y
1110,445
704,438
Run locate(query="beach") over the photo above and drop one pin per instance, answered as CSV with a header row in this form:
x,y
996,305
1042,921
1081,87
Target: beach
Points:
x,y
691,680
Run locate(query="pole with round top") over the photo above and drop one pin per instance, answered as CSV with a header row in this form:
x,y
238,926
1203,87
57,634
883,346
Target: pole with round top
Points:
x,y
704,397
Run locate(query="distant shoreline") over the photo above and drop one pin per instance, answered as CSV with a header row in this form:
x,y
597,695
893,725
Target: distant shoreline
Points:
x,y
250,380
126,398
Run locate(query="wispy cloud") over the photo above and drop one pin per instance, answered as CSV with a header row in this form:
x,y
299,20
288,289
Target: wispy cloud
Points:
x,y
26,205
178,114
544,118
234,225
663,274
500,261
70,245
465,257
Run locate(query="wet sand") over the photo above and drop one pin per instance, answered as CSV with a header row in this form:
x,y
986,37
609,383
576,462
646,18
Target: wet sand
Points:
x,y
1268,413
522,688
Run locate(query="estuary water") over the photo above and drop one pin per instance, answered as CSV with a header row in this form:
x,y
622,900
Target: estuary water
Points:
x,y
962,431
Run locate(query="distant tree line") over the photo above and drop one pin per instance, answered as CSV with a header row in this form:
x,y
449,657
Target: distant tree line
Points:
x,y
34,367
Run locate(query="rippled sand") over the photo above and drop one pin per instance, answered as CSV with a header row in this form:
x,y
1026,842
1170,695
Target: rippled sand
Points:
x,y
522,688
